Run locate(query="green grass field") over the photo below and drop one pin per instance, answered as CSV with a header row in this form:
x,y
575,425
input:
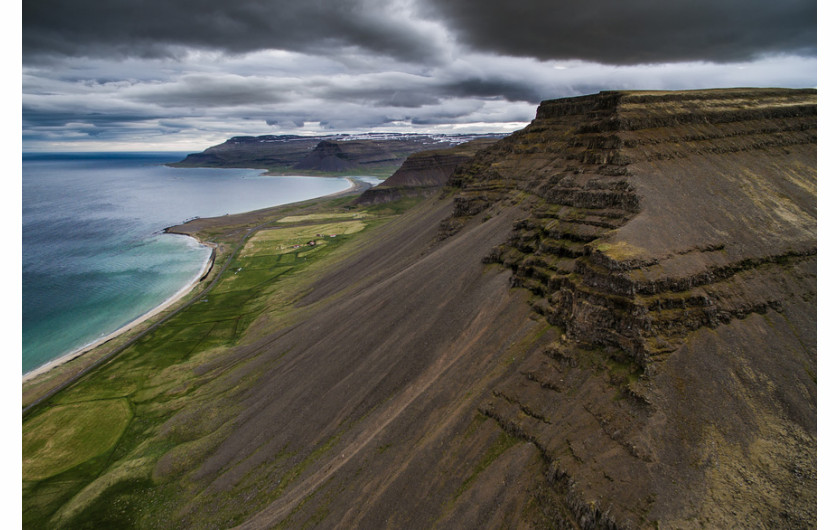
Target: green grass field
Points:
x,y
95,448
67,435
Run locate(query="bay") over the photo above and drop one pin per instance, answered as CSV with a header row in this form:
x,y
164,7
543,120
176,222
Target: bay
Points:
x,y
94,257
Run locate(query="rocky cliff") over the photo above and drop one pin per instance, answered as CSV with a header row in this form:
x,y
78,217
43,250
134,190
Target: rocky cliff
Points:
x,y
423,173
671,238
253,152
637,351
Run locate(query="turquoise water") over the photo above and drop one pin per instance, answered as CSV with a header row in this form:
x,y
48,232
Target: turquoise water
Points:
x,y
94,257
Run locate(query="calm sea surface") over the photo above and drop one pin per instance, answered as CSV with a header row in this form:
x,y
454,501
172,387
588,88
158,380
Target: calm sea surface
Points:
x,y
94,258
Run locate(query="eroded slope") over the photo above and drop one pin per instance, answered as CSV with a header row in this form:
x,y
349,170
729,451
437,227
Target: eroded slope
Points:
x,y
672,238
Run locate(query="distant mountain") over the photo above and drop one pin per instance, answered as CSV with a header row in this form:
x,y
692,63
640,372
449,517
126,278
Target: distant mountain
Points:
x,y
261,152
372,154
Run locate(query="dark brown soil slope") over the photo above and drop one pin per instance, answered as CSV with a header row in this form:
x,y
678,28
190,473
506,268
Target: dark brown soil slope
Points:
x,y
608,319
376,391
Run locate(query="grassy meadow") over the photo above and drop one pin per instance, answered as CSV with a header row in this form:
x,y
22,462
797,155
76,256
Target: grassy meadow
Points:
x,y
94,448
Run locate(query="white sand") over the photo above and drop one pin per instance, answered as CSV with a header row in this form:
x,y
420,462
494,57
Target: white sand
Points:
x,y
44,368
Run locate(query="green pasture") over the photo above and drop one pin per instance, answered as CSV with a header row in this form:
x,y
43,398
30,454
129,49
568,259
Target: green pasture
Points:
x,y
68,435
323,217
276,241
116,439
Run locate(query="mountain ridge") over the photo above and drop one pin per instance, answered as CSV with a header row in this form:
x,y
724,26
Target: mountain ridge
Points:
x,y
619,282
373,153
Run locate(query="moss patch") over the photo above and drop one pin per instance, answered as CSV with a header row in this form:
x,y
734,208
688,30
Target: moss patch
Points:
x,y
501,444
620,251
322,217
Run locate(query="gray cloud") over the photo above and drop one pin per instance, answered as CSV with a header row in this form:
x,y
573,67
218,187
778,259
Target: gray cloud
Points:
x,y
169,73
203,105
511,90
604,31
203,90
633,32
167,28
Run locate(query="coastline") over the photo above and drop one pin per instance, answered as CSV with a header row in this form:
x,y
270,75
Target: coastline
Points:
x,y
355,186
78,352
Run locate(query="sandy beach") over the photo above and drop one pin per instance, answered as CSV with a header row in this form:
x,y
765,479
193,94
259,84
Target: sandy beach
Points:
x,y
44,368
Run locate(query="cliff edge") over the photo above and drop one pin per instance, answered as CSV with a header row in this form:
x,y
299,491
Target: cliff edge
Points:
x,y
671,237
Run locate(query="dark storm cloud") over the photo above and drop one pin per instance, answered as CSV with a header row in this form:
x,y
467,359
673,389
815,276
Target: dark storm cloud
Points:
x,y
170,73
155,28
201,90
511,90
33,117
603,31
633,32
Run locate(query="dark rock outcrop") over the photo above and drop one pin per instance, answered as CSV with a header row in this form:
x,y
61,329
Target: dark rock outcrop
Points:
x,y
346,155
423,173
327,156
671,237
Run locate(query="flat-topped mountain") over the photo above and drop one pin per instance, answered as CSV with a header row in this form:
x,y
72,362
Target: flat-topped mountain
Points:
x,y
260,152
372,154
604,320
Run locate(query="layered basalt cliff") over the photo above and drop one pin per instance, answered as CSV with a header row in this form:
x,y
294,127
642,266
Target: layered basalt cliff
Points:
x,y
585,159
424,173
671,237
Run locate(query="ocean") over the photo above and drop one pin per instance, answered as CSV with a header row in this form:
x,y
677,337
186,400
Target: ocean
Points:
x,y
94,256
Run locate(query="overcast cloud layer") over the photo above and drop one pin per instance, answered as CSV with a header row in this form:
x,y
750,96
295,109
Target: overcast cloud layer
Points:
x,y
184,74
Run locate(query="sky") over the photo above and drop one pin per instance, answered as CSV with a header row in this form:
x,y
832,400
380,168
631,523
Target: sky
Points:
x,y
182,75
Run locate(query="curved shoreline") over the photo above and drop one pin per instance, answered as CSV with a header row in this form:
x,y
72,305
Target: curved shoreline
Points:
x,y
354,187
81,350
